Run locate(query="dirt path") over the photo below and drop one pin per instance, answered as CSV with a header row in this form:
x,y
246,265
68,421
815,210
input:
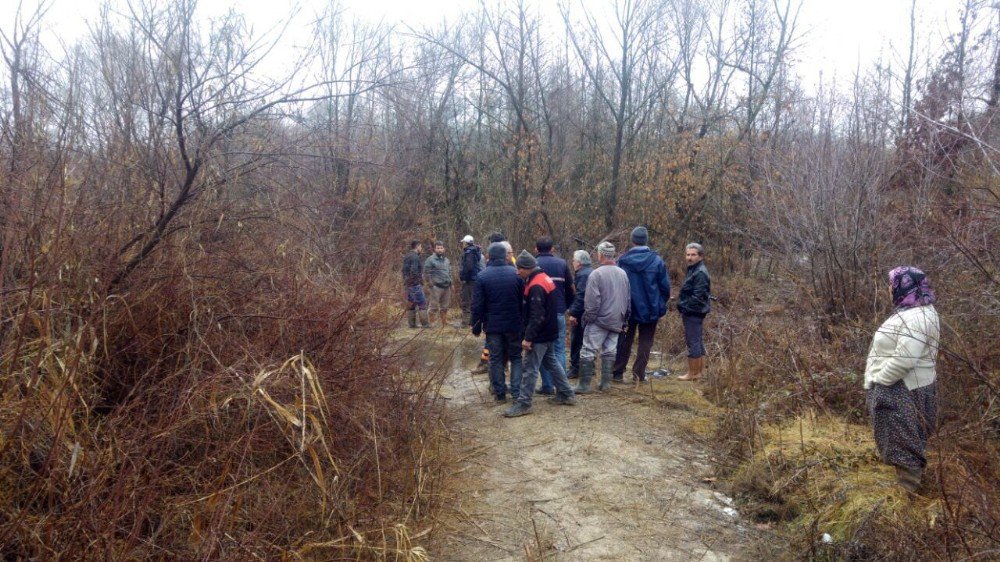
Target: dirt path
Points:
x,y
616,477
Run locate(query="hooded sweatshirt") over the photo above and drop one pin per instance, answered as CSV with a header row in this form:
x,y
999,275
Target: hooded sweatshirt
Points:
x,y
648,282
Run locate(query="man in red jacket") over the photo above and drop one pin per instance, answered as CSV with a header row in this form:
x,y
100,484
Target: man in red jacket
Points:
x,y
541,329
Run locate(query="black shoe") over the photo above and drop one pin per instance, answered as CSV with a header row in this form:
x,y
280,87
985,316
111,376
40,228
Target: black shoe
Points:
x,y
500,399
563,400
573,375
518,409
547,391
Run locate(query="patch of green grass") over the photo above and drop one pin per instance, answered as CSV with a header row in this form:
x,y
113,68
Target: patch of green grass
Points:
x,y
825,475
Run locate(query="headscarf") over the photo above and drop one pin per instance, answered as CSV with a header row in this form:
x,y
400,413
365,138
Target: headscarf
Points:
x,y
910,288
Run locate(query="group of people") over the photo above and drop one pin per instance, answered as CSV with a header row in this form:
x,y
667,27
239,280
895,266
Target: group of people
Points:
x,y
525,304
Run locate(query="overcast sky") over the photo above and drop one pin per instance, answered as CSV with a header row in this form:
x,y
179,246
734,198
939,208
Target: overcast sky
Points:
x,y
836,36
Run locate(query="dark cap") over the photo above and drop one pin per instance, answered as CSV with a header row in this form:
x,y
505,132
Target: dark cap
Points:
x,y
640,236
526,260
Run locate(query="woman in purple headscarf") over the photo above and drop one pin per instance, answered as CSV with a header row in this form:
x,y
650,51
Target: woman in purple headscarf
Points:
x,y
901,376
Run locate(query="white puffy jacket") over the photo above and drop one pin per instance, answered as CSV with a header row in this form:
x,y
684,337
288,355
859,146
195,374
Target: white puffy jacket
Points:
x,y
905,348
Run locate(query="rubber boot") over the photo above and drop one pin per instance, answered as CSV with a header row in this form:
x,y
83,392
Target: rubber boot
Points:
x,y
586,375
411,318
425,321
694,369
606,375
909,478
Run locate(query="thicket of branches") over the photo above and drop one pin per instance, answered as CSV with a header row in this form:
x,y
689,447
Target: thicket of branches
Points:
x,y
192,247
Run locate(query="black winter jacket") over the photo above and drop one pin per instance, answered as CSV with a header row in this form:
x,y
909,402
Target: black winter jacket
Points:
x,y
471,266
540,322
496,299
576,309
694,297
559,272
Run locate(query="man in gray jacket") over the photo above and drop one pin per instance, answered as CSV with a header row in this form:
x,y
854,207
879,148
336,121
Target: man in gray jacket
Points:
x,y
606,309
437,273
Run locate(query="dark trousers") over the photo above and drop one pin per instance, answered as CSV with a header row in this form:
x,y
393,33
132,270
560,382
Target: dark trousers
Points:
x,y
646,333
504,348
575,345
467,302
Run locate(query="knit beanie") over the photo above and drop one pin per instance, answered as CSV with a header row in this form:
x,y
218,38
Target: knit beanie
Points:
x,y
526,260
640,236
606,249
582,256
496,251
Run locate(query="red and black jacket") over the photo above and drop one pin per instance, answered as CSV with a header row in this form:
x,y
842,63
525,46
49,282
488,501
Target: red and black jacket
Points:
x,y
539,308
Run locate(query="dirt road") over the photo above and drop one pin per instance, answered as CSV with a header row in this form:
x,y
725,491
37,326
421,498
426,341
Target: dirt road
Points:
x,y
617,477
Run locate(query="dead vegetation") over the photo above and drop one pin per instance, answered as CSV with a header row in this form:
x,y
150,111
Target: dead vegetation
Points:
x,y
196,259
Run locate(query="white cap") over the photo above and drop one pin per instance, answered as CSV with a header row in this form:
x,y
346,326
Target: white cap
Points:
x,y
468,239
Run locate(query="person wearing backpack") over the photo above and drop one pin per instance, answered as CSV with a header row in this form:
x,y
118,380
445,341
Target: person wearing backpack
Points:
x,y
472,264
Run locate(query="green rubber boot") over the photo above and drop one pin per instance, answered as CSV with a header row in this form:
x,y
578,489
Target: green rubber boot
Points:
x,y
586,375
606,373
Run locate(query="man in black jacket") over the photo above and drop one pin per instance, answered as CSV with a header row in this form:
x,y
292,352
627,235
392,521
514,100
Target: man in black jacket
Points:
x,y
540,332
582,266
413,284
693,304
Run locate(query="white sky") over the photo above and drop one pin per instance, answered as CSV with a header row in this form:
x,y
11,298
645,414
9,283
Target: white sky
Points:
x,y
837,36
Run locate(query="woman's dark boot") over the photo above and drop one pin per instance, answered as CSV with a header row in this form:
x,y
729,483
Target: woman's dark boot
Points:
x,y
909,478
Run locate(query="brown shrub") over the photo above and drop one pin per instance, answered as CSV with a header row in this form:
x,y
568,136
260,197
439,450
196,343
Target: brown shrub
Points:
x,y
233,400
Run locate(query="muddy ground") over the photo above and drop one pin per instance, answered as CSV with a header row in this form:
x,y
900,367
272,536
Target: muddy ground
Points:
x,y
620,476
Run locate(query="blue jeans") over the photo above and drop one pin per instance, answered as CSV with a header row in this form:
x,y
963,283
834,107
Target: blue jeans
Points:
x,y
504,348
693,334
559,348
539,355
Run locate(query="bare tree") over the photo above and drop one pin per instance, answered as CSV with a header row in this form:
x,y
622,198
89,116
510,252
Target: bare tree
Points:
x,y
639,36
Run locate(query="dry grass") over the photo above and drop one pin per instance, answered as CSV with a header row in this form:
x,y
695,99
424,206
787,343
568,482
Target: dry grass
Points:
x,y
236,399
797,448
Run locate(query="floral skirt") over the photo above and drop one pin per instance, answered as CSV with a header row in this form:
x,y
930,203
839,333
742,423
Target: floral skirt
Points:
x,y
903,419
